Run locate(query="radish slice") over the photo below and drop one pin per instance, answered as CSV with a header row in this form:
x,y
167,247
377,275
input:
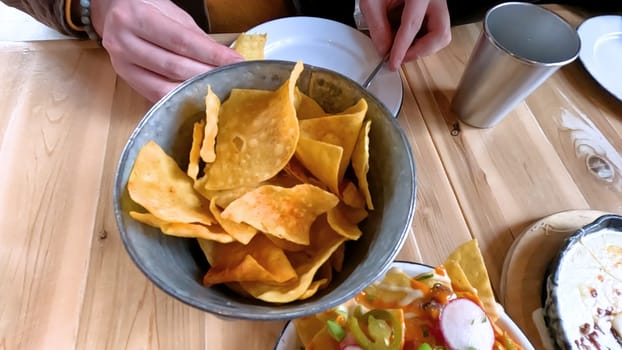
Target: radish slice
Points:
x,y
465,325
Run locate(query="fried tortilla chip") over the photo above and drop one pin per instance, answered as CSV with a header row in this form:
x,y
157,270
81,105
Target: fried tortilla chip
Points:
x,y
360,163
306,263
212,108
340,222
213,232
459,280
307,327
351,195
241,232
354,215
296,170
314,287
306,107
336,260
283,212
340,130
286,245
160,186
195,149
470,259
250,46
222,197
257,136
258,261
322,160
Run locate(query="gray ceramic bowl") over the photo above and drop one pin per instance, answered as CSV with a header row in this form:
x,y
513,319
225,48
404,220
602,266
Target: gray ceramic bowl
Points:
x,y
176,265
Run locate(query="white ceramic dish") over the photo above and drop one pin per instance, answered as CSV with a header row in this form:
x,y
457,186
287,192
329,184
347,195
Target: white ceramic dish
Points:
x,y
601,51
335,46
583,300
288,339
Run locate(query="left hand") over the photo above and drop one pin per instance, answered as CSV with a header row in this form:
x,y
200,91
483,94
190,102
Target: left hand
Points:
x,y
423,30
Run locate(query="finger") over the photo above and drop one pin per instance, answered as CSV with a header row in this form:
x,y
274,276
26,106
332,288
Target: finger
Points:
x,y
412,18
375,13
148,84
438,32
186,39
427,45
163,62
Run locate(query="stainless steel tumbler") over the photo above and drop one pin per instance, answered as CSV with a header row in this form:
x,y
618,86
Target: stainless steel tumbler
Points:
x,y
521,45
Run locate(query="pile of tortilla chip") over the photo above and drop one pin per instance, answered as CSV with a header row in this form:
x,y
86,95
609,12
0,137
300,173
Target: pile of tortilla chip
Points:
x,y
273,189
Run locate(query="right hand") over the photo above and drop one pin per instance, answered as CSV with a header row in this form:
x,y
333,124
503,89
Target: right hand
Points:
x,y
155,45
423,30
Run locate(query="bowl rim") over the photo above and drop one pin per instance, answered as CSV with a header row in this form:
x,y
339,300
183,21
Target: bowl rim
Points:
x,y
289,310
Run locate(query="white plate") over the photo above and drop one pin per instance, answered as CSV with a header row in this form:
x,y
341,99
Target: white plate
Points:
x,y
288,340
601,51
335,46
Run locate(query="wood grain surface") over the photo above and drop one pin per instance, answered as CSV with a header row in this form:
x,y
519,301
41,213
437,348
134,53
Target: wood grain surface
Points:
x,y
68,283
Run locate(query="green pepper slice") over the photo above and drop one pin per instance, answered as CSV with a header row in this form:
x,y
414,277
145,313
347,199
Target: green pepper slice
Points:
x,y
385,329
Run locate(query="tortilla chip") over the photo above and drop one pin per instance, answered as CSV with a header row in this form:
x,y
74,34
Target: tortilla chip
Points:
x,y
296,170
459,280
222,197
322,160
342,225
306,107
241,232
323,340
283,179
354,215
160,186
307,327
212,108
360,163
195,149
178,229
340,130
250,46
257,137
325,242
283,212
351,195
470,259
313,288
336,260
286,245
258,261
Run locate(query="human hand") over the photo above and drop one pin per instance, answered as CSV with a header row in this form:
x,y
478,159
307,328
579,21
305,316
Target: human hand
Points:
x,y
424,28
155,45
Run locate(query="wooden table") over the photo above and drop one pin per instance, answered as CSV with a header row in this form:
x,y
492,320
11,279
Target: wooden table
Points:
x,y
67,281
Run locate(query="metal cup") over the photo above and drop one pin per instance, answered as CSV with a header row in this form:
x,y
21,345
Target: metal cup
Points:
x,y
521,45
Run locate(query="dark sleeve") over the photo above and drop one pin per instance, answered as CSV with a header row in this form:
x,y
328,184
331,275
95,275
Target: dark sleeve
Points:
x,y
471,11
48,12
196,9
337,10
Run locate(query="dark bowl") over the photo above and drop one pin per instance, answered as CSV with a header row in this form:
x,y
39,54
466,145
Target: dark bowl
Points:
x,y
176,265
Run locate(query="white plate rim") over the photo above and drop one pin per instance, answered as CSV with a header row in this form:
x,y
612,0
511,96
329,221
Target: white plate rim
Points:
x,y
288,340
284,32
590,32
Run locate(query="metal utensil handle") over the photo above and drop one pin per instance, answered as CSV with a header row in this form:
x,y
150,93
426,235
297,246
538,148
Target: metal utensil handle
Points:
x,y
372,75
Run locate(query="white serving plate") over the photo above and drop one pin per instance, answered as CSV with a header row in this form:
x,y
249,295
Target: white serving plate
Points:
x,y
335,46
601,51
288,340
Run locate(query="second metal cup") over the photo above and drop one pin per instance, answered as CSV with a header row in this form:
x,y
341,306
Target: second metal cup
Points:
x,y
521,45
